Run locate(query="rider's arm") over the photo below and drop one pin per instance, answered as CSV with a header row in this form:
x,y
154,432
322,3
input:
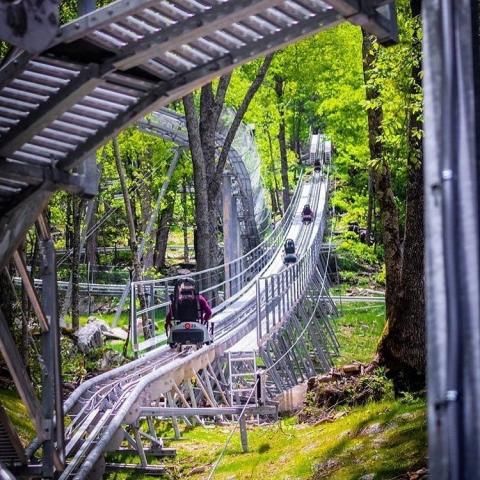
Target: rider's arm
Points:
x,y
205,308
168,318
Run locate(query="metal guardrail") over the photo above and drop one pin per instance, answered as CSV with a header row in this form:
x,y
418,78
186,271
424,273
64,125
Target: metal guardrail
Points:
x,y
279,294
211,282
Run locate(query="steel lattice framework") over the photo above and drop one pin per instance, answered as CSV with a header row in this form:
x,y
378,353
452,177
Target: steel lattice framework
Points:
x,y
112,66
102,72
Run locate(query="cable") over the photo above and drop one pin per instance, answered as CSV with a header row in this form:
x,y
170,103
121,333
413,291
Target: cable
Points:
x,y
309,321
222,453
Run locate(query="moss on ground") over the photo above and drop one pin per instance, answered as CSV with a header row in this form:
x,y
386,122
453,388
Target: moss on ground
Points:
x,y
384,439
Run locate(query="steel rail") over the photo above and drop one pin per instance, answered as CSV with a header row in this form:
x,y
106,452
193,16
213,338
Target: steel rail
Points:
x,y
229,329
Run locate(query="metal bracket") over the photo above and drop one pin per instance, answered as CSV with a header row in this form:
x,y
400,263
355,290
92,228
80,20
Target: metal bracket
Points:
x,y
29,24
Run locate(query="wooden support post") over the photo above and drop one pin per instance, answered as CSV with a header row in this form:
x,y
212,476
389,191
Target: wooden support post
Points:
x,y
243,433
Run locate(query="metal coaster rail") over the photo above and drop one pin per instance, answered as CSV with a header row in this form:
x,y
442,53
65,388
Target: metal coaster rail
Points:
x,y
237,318
102,72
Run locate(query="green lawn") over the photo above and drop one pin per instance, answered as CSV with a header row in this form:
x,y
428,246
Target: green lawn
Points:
x,y
358,330
379,440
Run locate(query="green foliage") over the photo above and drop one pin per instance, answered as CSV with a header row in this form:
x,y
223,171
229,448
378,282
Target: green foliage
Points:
x,y
18,415
351,252
385,439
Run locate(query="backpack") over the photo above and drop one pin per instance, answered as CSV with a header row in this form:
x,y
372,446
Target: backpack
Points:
x,y
185,309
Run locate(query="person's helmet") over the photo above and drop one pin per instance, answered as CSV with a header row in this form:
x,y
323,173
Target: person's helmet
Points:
x,y
186,287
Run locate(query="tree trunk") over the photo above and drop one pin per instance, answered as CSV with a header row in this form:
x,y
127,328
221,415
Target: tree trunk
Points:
x,y
185,221
68,222
402,347
279,85
144,195
371,205
161,238
276,207
202,247
77,205
91,242
273,199
137,267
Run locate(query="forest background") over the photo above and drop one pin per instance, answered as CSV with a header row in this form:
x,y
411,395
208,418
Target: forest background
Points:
x,y
367,99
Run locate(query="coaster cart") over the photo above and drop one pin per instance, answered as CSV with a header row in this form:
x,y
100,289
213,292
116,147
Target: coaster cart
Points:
x,y
307,215
307,218
289,256
189,333
317,166
187,329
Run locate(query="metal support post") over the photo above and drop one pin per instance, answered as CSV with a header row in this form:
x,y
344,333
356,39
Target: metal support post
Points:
x,y
52,395
231,234
139,445
171,403
243,433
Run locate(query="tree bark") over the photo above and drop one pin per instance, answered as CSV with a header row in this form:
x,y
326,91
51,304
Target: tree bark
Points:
x,y
202,247
144,196
185,221
279,86
77,207
161,238
137,266
402,347
91,242
371,205
276,207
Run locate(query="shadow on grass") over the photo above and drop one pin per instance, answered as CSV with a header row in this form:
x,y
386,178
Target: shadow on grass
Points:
x,y
394,448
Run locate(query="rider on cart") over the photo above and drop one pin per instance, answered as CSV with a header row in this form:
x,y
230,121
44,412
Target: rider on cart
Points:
x,y
187,305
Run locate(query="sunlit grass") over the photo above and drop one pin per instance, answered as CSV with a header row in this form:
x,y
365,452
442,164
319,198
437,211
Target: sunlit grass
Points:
x,y
18,415
358,330
384,439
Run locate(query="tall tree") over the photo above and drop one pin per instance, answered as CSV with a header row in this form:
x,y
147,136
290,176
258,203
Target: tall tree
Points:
x,y
202,128
402,346
282,140
77,207
137,266
161,238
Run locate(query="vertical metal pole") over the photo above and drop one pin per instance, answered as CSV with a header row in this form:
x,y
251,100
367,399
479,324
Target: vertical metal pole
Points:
x,y
230,232
133,318
171,402
267,304
52,395
152,312
271,301
259,316
451,146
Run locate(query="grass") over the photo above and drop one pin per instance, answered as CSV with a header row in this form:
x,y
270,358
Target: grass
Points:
x,y
384,439
18,415
358,330
380,440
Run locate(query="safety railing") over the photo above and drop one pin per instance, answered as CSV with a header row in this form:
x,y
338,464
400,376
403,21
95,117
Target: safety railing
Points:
x,y
278,294
155,294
